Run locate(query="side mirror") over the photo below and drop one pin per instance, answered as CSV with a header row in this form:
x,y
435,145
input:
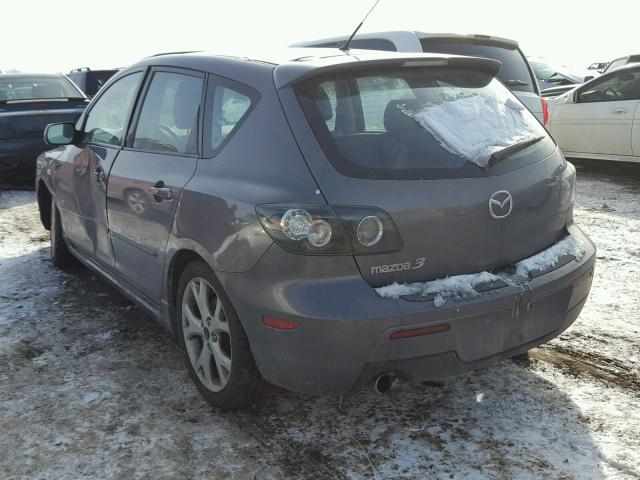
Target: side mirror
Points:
x,y
589,77
59,133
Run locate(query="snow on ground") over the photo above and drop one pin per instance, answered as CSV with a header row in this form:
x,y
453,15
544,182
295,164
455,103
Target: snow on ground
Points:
x,y
90,387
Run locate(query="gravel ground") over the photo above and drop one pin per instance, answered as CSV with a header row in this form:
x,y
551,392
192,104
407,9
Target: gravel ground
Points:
x,y
91,387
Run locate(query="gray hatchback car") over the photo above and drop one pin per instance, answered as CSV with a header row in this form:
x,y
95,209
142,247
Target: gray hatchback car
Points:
x,y
321,219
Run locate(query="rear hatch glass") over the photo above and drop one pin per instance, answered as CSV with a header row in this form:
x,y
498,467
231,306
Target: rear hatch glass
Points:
x,y
514,71
416,123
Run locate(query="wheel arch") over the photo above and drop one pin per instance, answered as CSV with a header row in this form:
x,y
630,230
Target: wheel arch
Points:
x,y
177,264
45,200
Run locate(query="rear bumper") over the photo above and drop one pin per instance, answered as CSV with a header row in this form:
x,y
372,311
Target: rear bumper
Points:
x,y
343,339
21,152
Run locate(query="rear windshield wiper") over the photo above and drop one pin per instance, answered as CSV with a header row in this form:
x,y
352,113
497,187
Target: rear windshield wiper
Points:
x,y
511,149
516,83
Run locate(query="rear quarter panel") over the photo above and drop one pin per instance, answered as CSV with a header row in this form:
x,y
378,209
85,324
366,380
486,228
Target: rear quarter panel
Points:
x,y
261,163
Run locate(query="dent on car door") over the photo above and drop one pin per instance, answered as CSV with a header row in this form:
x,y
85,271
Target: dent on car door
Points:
x,y
147,179
82,175
601,118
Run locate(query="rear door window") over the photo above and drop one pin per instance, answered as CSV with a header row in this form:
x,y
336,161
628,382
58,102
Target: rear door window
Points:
x,y
514,71
412,123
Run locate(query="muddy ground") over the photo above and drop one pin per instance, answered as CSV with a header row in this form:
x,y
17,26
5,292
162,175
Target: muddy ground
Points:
x,y
91,387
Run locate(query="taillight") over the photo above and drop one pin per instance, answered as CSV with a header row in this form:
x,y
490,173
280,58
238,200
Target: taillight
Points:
x,y
323,230
545,111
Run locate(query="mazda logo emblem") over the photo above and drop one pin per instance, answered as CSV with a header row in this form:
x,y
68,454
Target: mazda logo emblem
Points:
x,y
500,204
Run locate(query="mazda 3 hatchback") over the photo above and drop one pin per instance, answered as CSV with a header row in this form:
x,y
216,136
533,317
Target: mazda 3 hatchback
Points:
x,y
321,219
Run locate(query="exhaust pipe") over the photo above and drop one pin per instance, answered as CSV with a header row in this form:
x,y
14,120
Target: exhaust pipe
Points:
x,y
383,382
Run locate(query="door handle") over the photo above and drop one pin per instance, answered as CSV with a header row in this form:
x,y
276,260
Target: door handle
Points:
x,y
99,174
160,192
620,111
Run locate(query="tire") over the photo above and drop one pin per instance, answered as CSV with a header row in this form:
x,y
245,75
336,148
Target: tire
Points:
x,y
60,255
136,201
215,345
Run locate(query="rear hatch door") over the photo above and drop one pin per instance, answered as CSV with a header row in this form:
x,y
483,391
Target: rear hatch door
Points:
x,y
418,143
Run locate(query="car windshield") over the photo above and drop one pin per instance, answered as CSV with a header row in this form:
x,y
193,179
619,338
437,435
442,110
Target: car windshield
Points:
x,y
413,122
34,88
544,70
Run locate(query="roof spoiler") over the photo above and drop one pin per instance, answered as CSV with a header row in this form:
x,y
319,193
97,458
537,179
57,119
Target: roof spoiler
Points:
x,y
298,72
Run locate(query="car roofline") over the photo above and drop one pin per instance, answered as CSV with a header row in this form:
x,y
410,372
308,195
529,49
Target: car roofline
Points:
x,y
419,35
290,65
292,72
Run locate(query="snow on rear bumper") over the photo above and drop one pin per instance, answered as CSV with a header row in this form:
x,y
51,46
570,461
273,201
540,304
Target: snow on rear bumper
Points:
x,y
343,340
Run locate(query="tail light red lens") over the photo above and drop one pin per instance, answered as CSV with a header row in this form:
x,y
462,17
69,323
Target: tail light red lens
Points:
x,y
279,324
545,111
417,332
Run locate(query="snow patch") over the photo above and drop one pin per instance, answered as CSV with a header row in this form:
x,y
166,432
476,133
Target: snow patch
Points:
x,y
549,258
459,286
475,127
464,286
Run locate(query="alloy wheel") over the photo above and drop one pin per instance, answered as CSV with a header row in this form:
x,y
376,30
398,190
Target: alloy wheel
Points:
x,y
206,334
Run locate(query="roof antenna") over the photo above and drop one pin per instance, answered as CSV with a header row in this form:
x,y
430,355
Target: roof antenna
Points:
x,y
345,47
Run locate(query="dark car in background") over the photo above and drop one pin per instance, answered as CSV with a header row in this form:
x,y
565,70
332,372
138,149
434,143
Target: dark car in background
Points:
x,y
321,219
90,81
28,102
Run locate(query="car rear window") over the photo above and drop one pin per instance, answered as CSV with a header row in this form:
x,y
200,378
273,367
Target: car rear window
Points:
x,y
33,88
413,123
513,72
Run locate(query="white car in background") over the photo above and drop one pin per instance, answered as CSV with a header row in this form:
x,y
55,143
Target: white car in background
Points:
x,y
600,119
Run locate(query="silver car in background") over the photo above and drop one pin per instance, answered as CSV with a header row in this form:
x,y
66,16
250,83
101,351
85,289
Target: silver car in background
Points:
x,y
515,72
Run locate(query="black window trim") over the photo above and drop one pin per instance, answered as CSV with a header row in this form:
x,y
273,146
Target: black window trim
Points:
x,y
244,89
144,89
112,81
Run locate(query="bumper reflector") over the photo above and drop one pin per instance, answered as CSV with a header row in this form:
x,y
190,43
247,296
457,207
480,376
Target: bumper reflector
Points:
x,y
416,332
279,324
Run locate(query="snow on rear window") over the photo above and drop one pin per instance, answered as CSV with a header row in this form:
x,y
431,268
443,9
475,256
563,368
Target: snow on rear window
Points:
x,y
415,123
475,127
